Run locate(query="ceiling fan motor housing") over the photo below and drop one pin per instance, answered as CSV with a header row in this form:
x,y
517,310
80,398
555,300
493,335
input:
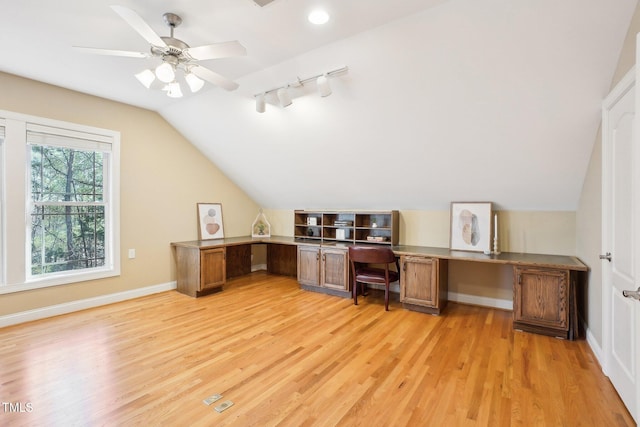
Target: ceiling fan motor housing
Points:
x,y
175,47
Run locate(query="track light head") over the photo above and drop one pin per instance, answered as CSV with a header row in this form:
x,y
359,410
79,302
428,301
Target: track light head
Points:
x,y
260,103
283,96
323,85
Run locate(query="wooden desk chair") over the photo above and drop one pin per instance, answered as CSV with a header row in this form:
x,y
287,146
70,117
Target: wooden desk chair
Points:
x,y
361,258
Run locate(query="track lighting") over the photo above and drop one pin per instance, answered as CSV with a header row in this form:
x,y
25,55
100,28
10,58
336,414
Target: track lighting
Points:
x,y
260,103
284,96
323,86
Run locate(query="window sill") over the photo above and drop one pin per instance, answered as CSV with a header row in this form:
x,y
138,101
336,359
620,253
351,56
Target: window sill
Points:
x,y
51,281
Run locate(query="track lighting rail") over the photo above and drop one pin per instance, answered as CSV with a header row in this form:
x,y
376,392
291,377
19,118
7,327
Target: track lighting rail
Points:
x,y
282,91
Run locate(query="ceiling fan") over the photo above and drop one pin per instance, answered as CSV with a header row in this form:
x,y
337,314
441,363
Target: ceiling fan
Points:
x,y
175,55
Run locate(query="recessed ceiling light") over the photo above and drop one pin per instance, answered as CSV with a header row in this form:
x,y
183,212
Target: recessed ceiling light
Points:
x,y
318,17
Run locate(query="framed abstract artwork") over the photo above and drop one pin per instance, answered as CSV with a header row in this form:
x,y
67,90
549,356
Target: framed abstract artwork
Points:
x,y
210,224
470,226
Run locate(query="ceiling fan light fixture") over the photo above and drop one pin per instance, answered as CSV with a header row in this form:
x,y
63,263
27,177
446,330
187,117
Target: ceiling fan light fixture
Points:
x,y
194,82
175,55
165,72
146,77
174,90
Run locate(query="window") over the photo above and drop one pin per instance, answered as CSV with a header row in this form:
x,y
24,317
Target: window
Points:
x,y
67,203
71,199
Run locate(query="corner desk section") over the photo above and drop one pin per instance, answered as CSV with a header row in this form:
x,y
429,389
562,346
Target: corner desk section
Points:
x,y
544,286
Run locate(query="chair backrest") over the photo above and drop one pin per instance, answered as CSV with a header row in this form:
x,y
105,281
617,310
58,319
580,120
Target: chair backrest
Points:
x,y
371,254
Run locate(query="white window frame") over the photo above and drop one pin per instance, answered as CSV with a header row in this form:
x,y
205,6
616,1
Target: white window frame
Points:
x,y
15,216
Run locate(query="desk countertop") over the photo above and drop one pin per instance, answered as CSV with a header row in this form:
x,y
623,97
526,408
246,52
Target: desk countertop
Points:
x,y
511,258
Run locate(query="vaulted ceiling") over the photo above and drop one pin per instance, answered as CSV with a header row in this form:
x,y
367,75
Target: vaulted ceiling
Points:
x,y
444,100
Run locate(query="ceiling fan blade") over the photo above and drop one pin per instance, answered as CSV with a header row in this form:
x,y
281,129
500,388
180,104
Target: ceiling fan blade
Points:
x,y
138,24
112,52
217,50
214,78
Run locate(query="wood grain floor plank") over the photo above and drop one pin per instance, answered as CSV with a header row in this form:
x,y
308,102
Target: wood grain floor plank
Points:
x,y
288,357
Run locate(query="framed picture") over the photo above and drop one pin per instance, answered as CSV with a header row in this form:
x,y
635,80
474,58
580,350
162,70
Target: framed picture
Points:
x,y
210,221
470,226
261,227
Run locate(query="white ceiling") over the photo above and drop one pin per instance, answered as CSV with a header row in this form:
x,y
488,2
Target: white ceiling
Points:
x,y
445,100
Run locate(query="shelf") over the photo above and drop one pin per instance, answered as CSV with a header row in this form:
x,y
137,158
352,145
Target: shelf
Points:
x,y
347,226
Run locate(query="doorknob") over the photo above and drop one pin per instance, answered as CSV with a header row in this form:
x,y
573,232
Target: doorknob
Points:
x,y
606,256
632,294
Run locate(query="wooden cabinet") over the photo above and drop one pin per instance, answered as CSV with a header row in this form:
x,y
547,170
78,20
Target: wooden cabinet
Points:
x,y
324,269
200,271
423,283
377,227
334,272
309,265
544,301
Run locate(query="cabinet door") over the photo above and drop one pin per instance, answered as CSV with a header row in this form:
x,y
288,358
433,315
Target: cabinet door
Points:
x,y
212,268
335,269
309,265
419,281
541,297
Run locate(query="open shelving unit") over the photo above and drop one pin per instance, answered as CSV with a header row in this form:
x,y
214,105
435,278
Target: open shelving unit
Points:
x,y
375,227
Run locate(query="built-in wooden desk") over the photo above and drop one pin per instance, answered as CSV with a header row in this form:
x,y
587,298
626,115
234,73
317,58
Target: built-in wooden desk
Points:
x,y
544,290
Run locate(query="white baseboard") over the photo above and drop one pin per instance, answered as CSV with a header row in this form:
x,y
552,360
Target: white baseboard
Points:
x,y
461,298
503,304
595,347
69,307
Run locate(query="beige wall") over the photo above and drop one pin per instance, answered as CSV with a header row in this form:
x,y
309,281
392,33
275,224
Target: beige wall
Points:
x,y
162,178
589,215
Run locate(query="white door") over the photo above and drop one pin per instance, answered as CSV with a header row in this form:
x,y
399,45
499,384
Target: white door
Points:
x,y
621,242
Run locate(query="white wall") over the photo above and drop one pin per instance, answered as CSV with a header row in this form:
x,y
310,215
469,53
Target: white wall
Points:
x,y
471,100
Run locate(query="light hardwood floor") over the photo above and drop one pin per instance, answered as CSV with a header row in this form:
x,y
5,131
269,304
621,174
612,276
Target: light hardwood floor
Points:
x,y
294,358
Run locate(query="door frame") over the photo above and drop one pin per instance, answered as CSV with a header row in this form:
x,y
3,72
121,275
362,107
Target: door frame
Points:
x,y
626,84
